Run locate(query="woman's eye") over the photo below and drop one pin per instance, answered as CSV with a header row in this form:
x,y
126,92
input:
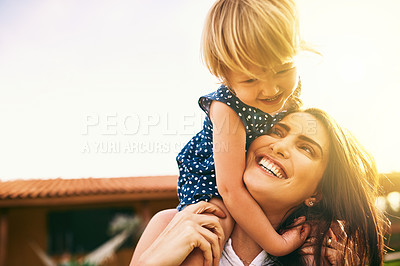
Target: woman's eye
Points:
x,y
276,132
307,149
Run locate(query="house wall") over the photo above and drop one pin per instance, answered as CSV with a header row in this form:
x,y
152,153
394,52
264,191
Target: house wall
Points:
x,y
25,225
29,224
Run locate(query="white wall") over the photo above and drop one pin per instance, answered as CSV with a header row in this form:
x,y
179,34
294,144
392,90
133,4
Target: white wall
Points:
x,y
68,66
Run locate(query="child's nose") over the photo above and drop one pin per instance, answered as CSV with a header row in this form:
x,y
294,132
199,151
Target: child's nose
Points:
x,y
270,89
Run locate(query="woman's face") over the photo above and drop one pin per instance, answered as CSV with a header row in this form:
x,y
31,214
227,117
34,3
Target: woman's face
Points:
x,y
284,167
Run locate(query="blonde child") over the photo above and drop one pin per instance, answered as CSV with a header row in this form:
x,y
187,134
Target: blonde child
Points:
x,y
250,45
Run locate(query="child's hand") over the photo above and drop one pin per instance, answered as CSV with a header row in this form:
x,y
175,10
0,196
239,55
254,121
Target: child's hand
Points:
x,y
295,236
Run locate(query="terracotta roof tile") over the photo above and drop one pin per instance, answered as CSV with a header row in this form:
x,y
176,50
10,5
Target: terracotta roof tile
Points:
x,y
53,188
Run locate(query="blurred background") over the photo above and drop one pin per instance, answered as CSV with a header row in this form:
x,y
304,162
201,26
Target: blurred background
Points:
x,y
94,95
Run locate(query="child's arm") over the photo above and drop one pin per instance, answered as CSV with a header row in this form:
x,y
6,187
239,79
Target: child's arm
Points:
x,y
229,139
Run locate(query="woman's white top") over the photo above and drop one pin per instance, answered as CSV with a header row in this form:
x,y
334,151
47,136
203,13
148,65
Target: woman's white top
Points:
x,y
229,257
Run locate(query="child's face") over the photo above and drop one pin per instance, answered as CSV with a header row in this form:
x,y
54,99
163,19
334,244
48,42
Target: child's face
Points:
x,y
269,93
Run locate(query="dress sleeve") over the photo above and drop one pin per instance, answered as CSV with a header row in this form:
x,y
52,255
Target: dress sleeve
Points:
x,y
255,121
224,95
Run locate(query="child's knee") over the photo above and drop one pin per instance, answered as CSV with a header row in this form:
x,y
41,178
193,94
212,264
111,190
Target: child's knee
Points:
x,y
227,223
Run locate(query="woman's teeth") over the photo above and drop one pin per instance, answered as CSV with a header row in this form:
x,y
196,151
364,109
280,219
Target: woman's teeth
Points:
x,y
271,167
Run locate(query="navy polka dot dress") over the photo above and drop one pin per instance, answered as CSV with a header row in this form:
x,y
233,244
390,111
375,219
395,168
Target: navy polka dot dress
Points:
x,y
196,161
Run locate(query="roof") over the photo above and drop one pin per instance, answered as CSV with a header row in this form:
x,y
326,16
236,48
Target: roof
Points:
x,y
85,190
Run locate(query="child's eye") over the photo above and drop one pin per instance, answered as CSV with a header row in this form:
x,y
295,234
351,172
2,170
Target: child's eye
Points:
x,y
285,68
283,71
250,80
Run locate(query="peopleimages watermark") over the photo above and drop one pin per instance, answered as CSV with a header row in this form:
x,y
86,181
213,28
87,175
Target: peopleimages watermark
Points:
x,y
142,124
135,133
135,147
131,147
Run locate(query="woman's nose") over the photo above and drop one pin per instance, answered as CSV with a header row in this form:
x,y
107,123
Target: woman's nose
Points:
x,y
280,149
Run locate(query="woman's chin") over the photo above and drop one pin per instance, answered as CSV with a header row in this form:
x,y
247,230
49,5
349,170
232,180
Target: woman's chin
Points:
x,y
258,189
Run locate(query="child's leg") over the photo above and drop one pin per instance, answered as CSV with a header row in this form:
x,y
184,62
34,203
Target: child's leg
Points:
x,y
196,257
227,223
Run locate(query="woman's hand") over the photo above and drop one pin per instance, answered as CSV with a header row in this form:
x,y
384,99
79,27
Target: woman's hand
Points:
x,y
191,228
332,248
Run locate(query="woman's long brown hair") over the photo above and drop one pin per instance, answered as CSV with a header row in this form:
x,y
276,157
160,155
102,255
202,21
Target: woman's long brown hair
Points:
x,y
348,191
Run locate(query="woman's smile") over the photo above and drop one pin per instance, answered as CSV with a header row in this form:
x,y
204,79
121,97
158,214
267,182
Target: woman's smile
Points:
x,y
271,167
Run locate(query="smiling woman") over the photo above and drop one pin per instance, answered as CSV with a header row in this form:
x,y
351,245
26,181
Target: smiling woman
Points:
x,y
305,167
289,161
346,192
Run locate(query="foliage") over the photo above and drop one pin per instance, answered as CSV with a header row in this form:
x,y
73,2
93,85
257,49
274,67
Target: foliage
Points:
x,y
122,227
77,263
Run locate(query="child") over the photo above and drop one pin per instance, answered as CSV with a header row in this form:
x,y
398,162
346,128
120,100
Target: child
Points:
x,y
250,46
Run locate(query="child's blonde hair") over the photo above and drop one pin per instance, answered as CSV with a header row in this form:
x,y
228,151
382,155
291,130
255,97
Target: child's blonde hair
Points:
x,y
242,33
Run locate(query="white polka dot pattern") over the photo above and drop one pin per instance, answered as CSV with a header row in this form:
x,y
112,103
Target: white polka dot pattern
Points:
x,y
196,161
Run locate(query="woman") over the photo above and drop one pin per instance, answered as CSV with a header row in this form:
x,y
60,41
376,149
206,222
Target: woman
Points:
x,y
306,166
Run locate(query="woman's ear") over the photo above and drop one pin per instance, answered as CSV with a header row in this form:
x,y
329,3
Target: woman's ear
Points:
x,y
314,199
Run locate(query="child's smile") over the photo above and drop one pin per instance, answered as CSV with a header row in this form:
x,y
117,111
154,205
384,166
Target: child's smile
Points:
x,y
268,93
273,100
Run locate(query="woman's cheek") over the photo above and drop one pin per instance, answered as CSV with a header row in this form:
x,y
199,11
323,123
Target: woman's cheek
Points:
x,y
254,185
246,180
249,181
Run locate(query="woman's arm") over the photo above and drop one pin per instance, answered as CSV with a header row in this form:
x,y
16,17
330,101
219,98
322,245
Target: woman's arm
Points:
x,y
164,243
153,230
229,139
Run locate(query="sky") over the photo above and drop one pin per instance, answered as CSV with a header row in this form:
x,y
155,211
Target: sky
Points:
x,y
99,88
